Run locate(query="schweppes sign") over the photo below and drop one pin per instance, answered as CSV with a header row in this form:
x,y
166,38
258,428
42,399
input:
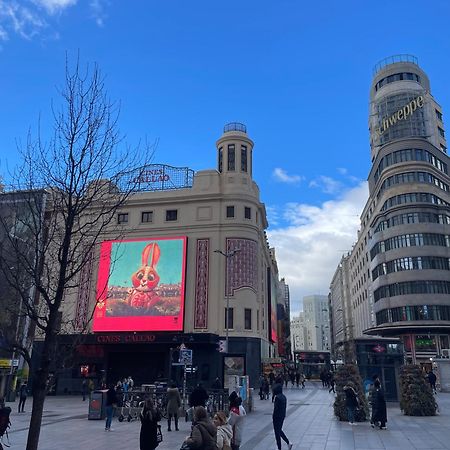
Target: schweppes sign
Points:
x,y
401,114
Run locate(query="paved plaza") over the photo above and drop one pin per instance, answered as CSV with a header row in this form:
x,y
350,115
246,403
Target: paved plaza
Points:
x,y
310,425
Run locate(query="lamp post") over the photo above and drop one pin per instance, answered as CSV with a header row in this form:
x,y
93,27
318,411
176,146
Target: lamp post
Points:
x,y
227,255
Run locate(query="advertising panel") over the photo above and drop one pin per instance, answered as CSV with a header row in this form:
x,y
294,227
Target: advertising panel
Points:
x,y
272,306
141,285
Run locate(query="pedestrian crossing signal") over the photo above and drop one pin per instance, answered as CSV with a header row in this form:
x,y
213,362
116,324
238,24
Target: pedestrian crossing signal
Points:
x,y
222,346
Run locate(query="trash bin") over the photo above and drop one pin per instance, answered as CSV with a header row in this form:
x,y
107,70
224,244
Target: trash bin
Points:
x,y
97,405
11,396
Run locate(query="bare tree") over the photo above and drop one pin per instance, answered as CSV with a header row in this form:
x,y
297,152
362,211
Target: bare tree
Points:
x,y
63,201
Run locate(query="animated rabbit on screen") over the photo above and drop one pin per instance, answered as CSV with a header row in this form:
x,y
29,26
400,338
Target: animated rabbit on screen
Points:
x,y
146,279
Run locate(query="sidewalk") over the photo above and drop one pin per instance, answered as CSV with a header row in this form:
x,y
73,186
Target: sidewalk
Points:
x,y
310,425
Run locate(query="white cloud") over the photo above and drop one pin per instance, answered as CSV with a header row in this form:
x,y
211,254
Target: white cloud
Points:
x,y
98,11
327,184
342,170
281,175
22,20
309,249
54,6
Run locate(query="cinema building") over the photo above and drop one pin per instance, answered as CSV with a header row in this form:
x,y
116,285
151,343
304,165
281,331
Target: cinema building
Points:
x,y
163,285
399,268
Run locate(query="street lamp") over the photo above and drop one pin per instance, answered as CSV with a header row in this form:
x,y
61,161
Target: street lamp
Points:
x,y
227,255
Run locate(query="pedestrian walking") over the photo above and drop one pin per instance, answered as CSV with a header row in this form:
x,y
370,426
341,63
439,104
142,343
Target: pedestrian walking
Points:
x,y
351,402
173,405
111,403
236,420
204,433
370,397
432,380
278,416
331,383
22,396
297,378
379,412
150,417
266,389
224,431
302,380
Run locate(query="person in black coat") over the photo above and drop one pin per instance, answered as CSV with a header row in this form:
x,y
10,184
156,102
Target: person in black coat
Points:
x,y
379,412
150,417
198,396
278,416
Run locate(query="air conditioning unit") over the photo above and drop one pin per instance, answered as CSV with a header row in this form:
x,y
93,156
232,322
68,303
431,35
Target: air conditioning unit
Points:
x,y
445,353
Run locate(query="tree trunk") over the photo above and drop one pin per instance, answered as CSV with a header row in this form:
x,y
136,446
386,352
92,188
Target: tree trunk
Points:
x,y
39,393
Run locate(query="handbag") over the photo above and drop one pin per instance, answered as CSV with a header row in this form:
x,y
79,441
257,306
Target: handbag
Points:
x,y
159,436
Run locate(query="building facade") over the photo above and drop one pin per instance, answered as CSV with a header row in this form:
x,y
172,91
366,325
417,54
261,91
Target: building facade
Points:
x,y
298,332
192,247
409,211
399,267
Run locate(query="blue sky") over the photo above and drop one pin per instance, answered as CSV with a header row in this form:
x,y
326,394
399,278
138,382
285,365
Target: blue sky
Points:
x,y
296,73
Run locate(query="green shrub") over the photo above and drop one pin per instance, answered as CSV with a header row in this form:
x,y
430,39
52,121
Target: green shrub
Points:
x,y
344,375
416,397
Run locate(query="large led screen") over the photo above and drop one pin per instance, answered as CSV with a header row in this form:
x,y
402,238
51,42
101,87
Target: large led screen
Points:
x,y
141,284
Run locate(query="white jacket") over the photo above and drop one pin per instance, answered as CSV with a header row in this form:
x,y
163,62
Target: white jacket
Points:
x,y
224,436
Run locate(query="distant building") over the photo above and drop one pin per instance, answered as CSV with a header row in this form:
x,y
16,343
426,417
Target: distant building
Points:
x,y
317,323
298,333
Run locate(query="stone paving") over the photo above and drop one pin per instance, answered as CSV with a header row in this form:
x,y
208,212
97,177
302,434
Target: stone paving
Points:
x,y
309,425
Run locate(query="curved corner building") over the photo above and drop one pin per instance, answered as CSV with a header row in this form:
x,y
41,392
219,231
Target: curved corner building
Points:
x,y
409,246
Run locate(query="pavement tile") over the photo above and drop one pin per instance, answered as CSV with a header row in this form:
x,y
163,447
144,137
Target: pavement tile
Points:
x,y
310,425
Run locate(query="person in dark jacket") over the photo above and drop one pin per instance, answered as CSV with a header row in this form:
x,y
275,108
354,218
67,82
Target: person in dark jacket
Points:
x,y
279,413
173,405
351,402
111,403
204,432
379,413
150,417
22,396
198,396
432,380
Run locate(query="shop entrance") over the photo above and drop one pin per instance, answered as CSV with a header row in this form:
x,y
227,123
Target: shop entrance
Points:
x,y
144,367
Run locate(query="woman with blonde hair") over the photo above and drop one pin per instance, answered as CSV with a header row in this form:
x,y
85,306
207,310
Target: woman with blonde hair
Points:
x,y
224,431
150,417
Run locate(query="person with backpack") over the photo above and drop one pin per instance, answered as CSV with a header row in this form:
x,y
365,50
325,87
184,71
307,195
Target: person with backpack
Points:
x,y
204,432
351,402
5,423
22,396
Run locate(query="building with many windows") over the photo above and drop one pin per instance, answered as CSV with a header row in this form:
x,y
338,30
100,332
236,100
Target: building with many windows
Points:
x,y
193,246
399,267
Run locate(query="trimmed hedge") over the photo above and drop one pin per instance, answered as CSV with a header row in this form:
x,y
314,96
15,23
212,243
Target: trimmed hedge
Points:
x,y
344,375
416,397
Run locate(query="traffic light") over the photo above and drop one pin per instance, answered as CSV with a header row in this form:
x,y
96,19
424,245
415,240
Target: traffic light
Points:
x,y
222,346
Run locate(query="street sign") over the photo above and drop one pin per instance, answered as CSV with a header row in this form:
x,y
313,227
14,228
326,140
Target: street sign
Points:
x,y
186,356
222,347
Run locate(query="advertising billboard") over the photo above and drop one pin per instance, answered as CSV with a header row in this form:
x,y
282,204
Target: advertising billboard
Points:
x,y
141,285
272,303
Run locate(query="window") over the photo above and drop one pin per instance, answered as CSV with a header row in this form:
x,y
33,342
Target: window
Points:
x,y
231,157
147,216
230,319
443,148
230,211
243,158
248,319
171,215
441,132
122,218
248,213
220,159
439,115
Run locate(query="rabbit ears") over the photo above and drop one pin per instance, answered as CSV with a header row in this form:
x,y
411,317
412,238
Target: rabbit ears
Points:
x,y
151,254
